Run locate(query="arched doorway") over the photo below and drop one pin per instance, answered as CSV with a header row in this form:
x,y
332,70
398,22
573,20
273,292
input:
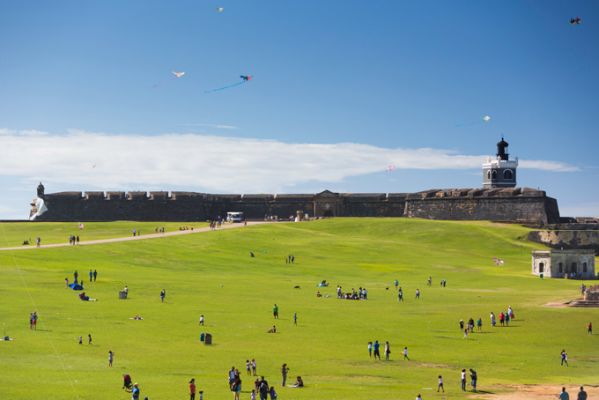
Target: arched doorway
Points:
x,y
541,268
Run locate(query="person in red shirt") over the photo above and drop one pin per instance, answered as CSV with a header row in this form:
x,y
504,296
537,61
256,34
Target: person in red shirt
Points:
x,y
192,389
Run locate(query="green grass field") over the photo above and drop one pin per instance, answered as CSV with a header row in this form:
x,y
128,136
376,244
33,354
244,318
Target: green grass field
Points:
x,y
212,274
13,234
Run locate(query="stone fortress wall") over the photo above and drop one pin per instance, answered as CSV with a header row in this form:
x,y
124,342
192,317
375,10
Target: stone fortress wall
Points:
x,y
521,205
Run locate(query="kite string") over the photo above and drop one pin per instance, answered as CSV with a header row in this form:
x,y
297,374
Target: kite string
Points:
x,y
26,287
225,87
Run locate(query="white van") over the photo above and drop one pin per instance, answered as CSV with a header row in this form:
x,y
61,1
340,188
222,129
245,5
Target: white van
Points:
x,y
235,216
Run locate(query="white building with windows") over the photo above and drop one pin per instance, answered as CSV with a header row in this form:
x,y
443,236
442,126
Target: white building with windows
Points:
x,y
574,264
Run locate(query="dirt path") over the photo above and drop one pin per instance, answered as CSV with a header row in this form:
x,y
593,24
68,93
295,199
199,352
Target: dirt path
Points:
x,y
538,392
131,238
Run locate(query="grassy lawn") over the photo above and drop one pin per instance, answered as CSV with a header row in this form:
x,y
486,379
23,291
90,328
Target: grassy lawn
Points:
x,y
212,274
13,234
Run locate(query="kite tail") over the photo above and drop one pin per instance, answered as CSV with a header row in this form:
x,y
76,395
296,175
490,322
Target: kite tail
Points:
x,y
225,87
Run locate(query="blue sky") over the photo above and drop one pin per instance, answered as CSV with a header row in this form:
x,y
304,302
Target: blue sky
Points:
x,y
341,90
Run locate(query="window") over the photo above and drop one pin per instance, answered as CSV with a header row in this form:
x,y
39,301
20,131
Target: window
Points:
x,y
508,174
541,267
561,268
574,268
488,174
584,267
494,175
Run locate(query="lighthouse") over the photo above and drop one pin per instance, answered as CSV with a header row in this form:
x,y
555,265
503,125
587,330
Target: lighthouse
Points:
x,y
501,171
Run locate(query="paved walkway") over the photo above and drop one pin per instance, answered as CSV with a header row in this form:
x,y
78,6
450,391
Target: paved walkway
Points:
x,y
130,238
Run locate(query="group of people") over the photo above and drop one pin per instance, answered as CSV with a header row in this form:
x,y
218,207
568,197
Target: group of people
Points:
x,y
504,317
360,294
73,240
374,349
33,320
564,395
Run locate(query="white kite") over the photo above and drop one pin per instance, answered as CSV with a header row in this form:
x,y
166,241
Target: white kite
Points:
x,y
486,118
220,9
178,74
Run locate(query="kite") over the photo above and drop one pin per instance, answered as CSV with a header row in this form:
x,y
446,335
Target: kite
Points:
x,y
391,167
485,119
575,21
244,79
178,74
220,9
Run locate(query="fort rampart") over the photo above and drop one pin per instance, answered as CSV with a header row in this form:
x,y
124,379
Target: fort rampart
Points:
x,y
522,205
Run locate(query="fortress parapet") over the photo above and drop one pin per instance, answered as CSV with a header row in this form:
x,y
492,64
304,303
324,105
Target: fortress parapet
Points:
x,y
523,205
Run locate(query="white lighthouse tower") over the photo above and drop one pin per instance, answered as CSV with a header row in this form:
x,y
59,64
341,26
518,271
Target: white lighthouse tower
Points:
x,y
501,171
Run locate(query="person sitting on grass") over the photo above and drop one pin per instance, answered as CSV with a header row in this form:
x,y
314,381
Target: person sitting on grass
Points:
x,y
298,382
83,297
272,330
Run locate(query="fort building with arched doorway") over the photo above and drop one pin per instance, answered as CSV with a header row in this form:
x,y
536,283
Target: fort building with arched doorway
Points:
x,y
573,264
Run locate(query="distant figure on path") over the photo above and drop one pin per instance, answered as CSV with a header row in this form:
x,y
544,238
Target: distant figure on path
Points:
x,y
564,395
582,395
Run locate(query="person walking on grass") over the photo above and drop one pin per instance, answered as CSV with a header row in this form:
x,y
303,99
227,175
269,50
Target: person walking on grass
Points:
x,y
417,293
254,367
284,370
162,295
89,338
370,349
295,318
377,353
473,379
405,353
110,358
275,311
564,357
400,295
463,380
95,274
440,385
590,328
192,389
91,275
387,351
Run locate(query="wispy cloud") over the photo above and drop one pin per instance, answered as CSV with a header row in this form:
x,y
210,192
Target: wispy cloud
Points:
x,y
215,126
99,160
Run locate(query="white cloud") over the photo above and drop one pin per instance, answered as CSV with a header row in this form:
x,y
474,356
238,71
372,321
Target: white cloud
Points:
x,y
213,163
